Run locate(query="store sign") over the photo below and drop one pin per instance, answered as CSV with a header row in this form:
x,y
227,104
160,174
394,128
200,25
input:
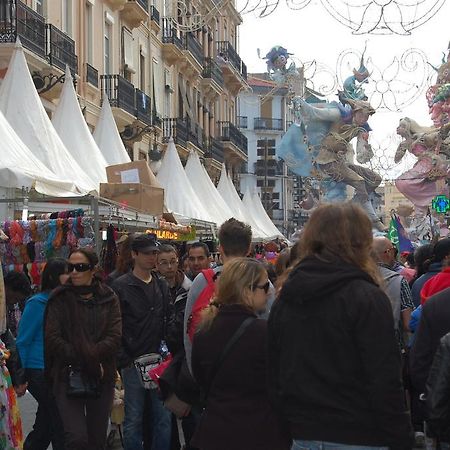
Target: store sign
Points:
x,y
441,204
167,235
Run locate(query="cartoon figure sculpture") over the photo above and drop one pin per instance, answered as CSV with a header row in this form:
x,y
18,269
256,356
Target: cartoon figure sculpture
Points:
x,y
318,144
426,178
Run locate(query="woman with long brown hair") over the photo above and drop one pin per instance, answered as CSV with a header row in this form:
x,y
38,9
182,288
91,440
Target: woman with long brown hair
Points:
x,y
335,362
83,330
238,414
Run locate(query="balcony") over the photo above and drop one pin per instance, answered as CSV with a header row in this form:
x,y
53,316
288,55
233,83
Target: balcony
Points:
x,y
177,129
122,96
194,47
212,81
116,4
61,49
155,21
214,149
91,75
234,70
235,142
172,44
134,12
242,122
267,123
195,134
143,107
18,20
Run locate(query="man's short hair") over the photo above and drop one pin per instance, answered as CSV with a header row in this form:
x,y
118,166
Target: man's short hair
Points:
x,y
166,248
200,245
235,237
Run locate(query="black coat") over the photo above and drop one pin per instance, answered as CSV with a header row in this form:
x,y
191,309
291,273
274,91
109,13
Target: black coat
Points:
x,y
238,414
335,369
438,392
144,319
434,323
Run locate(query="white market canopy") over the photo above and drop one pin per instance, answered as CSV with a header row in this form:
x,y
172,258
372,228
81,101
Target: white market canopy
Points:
x,y
206,191
229,194
69,122
22,107
20,168
179,195
107,137
254,206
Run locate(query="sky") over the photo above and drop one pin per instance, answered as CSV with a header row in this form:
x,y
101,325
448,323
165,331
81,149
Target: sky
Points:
x,y
313,34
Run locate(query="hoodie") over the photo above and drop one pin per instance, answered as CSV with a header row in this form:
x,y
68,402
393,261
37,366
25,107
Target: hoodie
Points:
x,y
335,370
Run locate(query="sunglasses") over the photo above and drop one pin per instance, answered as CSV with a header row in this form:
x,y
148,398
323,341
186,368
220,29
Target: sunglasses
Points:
x,y
80,267
264,287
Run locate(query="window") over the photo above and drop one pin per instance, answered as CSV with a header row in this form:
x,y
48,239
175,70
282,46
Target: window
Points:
x,y
142,71
270,183
107,49
89,31
276,195
66,19
39,6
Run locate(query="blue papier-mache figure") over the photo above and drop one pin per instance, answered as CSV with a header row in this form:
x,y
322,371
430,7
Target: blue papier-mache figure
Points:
x,y
318,145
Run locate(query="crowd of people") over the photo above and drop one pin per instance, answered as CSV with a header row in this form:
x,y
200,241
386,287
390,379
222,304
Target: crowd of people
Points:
x,y
338,342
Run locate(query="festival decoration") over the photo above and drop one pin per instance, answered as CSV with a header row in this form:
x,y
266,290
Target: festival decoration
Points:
x,y
370,17
318,145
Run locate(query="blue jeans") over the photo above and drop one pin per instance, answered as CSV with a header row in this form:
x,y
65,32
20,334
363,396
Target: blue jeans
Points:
x,y
319,445
135,396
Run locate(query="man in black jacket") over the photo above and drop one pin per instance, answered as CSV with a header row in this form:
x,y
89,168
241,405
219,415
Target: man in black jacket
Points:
x,y
434,323
144,300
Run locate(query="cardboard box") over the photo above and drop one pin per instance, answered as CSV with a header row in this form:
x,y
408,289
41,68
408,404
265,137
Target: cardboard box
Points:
x,y
132,172
145,198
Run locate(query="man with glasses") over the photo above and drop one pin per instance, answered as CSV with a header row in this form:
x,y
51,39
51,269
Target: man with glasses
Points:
x,y
145,305
179,285
397,288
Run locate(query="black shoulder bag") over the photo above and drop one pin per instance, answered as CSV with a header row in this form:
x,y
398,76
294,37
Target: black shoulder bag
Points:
x,y
219,361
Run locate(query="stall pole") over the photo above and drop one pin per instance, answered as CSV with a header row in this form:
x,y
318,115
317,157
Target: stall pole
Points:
x,y
98,239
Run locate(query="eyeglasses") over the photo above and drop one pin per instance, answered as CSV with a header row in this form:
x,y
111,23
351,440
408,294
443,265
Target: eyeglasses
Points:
x,y
264,287
80,267
173,262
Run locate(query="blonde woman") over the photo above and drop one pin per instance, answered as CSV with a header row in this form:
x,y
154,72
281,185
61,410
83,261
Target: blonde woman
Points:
x,y
238,414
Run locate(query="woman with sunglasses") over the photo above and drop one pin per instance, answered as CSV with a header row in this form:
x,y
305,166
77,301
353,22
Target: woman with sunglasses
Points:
x,y
237,412
82,337
30,344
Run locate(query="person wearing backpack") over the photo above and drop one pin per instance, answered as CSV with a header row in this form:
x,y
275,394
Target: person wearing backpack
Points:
x,y
235,238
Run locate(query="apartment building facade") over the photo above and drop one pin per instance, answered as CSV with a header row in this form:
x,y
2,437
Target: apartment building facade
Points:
x,y
168,68
264,117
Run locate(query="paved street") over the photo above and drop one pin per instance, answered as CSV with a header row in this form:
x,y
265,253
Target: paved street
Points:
x,y
28,407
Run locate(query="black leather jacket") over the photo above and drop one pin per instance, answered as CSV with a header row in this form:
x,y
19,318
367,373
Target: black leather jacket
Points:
x,y
438,392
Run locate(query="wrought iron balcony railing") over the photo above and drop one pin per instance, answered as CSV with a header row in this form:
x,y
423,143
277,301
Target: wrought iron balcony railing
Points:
x,y
120,92
227,52
214,149
175,128
18,20
267,123
170,34
61,49
143,107
154,14
212,70
229,133
192,45
195,134
91,75
144,4
242,121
